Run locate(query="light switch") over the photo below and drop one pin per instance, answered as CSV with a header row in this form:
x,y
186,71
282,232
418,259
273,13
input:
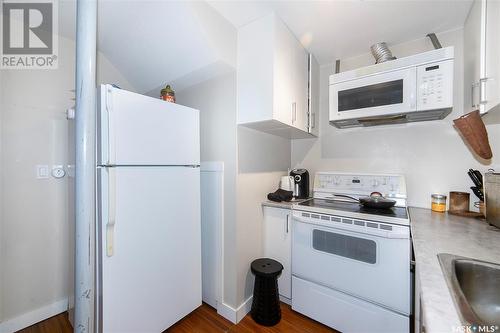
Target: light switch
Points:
x,y
71,170
42,171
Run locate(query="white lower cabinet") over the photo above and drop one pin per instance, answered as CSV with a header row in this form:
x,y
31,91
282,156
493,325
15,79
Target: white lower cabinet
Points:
x,y
278,245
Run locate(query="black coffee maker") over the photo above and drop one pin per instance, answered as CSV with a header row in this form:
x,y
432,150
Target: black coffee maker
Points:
x,y
301,180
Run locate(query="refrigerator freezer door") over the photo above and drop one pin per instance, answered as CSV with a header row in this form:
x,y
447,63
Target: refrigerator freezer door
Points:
x,y
134,129
152,276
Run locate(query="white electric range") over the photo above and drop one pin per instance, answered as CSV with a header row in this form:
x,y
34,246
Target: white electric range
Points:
x,y
351,264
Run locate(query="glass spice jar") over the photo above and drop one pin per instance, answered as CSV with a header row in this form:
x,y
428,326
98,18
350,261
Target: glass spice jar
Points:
x,y
438,203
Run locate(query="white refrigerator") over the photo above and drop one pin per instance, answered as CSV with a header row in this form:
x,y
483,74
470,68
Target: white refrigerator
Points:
x,y
148,239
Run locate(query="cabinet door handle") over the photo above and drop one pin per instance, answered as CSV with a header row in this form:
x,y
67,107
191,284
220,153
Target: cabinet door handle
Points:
x,y
473,89
482,91
313,120
287,223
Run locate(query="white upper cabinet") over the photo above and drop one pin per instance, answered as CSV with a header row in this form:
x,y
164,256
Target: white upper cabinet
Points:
x,y
481,54
313,96
492,55
273,79
300,82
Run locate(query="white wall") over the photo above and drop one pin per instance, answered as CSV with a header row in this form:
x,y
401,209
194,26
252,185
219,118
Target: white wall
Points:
x,y
36,230
34,244
1,194
432,155
36,248
262,159
253,164
216,100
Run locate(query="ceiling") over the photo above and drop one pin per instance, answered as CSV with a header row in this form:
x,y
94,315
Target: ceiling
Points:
x,y
154,42
338,29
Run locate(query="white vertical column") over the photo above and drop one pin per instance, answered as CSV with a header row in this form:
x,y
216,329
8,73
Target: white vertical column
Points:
x,y
86,30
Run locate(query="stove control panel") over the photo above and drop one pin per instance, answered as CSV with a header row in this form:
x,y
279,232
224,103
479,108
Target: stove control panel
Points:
x,y
360,184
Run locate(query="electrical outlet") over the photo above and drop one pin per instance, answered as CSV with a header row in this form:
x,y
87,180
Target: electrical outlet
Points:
x,y
58,171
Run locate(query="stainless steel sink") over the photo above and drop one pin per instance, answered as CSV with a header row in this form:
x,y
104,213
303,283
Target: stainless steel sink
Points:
x,y
475,287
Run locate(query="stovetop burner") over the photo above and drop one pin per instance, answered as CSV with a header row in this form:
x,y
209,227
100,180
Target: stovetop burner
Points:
x,y
354,207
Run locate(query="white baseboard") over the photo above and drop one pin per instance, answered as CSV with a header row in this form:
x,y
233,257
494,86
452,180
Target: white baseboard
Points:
x,y
286,300
235,315
27,319
244,309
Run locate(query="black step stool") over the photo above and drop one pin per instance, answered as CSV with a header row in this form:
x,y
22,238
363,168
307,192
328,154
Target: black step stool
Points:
x,y
266,302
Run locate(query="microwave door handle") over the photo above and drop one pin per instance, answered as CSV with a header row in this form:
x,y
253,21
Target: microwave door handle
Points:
x,y
413,104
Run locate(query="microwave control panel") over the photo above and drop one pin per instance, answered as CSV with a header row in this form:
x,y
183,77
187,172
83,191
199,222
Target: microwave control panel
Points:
x,y
435,85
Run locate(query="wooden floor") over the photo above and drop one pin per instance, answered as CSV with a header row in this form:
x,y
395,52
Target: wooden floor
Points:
x,y
56,324
206,320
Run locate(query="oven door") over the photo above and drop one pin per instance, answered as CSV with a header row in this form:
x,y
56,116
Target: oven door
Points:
x,y
347,258
390,93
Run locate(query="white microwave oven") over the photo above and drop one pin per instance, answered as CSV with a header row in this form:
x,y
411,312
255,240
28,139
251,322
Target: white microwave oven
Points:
x,y
414,88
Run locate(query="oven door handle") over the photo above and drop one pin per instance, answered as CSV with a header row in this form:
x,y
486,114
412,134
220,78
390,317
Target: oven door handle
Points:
x,y
340,226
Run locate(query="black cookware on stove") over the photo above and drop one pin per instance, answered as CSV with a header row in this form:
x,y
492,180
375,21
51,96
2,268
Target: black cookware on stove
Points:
x,y
375,200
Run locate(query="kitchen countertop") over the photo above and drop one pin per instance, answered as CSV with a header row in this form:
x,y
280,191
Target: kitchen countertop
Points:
x,y
283,204
435,233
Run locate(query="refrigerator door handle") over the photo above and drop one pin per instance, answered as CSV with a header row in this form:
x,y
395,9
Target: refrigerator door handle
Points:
x,y
110,225
111,130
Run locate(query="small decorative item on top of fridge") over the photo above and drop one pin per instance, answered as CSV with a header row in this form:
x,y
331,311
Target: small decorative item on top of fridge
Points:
x,y
168,94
